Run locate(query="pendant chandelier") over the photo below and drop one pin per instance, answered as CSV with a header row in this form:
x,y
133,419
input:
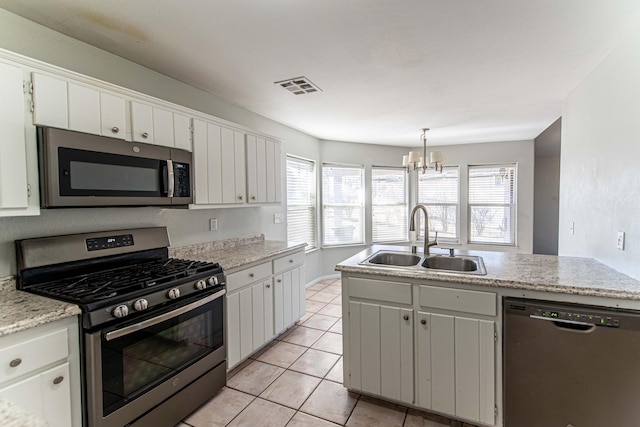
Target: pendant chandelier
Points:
x,y
413,161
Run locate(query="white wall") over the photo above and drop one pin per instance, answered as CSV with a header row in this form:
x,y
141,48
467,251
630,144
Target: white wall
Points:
x,y
599,172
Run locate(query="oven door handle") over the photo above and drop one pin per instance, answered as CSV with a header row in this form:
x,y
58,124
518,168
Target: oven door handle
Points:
x,y
118,333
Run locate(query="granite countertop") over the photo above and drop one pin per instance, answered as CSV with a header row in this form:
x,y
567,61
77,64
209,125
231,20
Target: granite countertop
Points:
x,y
21,310
232,254
12,415
546,273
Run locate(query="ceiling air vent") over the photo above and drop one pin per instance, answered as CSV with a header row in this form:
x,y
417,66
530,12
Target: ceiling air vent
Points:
x,y
299,85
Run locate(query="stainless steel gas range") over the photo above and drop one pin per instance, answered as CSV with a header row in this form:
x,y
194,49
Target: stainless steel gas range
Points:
x,y
153,344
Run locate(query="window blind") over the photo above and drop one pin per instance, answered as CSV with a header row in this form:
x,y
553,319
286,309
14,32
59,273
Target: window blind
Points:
x,y
492,204
389,205
342,205
301,202
440,193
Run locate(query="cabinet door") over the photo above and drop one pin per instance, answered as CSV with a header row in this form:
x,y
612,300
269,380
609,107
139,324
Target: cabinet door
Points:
x,y
381,343
240,167
269,331
475,369
214,162
287,299
257,312
271,172
182,132
50,101
233,329
200,163
278,303
13,149
141,122
26,394
277,167
295,294
246,323
56,393
252,174
227,152
84,109
443,363
162,127
302,305
112,116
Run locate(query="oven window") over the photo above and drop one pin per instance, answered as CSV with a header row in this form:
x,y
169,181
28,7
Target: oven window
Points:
x,y
136,362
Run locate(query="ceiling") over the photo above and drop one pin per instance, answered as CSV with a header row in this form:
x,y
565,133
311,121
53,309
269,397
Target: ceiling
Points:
x,y
471,70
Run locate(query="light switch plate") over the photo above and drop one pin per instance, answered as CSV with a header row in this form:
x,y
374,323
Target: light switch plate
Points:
x,y
213,224
620,244
277,218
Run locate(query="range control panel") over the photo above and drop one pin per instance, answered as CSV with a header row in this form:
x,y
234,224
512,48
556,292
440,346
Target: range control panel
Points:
x,y
576,316
101,243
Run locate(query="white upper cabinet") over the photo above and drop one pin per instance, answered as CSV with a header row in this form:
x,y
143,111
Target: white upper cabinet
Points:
x,y
263,170
18,160
50,101
155,125
141,122
112,116
182,131
84,109
163,127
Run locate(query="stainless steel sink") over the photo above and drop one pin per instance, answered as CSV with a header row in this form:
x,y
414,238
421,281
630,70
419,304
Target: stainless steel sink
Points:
x,y
463,264
459,263
395,258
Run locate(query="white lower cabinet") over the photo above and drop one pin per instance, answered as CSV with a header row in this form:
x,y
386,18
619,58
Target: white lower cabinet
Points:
x,y
261,304
40,372
441,359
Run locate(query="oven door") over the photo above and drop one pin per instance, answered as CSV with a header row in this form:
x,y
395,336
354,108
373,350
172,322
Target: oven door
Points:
x,y
135,366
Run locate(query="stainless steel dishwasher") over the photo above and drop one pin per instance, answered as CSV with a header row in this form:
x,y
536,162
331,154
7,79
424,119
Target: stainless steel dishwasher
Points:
x,y
570,365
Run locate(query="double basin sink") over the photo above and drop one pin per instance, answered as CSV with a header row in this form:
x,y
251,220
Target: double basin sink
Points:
x,y
464,264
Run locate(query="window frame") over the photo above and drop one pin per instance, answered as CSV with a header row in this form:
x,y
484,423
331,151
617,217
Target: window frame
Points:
x,y
313,196
361,206
457,240
513,207
405,237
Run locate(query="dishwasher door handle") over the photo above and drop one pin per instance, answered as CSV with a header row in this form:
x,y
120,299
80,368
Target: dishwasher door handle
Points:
x,y
570,325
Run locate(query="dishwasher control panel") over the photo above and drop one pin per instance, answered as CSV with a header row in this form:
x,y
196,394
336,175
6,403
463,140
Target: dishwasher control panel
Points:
x,y
578,316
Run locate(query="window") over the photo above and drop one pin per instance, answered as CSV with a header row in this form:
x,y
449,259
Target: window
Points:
x,y
492,204
301,202
389,204
440,193
342,204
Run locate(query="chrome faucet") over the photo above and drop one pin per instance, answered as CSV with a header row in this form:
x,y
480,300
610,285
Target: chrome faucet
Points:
x,y
412,227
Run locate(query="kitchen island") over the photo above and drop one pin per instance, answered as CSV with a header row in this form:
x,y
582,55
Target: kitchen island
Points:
x,y
433,339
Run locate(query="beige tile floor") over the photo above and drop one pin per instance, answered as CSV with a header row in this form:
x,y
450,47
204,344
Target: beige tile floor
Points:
x,y
296,381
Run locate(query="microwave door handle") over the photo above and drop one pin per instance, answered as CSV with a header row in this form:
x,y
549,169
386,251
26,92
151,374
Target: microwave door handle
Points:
x,y
171,186
127,330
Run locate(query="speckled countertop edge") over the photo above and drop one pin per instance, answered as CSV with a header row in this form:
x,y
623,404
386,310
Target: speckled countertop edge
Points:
x,y
21,310
232,255
545,273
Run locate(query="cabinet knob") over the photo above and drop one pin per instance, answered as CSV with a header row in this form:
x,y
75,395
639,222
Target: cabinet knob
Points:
x,y
251,274
253,197
58,380
15,362
268,286
290,261
279,280
145,135
239,197
405,317
115,129
423,321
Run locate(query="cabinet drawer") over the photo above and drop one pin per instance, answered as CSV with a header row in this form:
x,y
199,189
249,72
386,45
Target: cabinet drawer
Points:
x,y
458,300
399,293
289,261
249,275
33,354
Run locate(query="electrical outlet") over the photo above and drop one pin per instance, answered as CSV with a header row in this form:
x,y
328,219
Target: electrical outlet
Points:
x,y
572,227
620,244
213,224
277,218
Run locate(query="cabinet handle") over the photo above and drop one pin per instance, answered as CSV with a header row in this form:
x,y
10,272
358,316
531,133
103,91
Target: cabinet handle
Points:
x,y
268,286
239,197
423,321
145,135
15,362
405,317
115,129
251,274
253,197
58,380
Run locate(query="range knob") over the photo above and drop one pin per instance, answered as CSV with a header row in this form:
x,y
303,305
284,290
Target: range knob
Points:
x,y
200,285
120,311
141,304
213,280
173,293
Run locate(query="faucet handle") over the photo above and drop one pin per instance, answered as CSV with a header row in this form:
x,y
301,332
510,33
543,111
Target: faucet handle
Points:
x,y
452,252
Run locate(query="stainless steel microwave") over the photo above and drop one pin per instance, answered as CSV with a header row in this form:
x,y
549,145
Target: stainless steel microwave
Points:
x,y
79,169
